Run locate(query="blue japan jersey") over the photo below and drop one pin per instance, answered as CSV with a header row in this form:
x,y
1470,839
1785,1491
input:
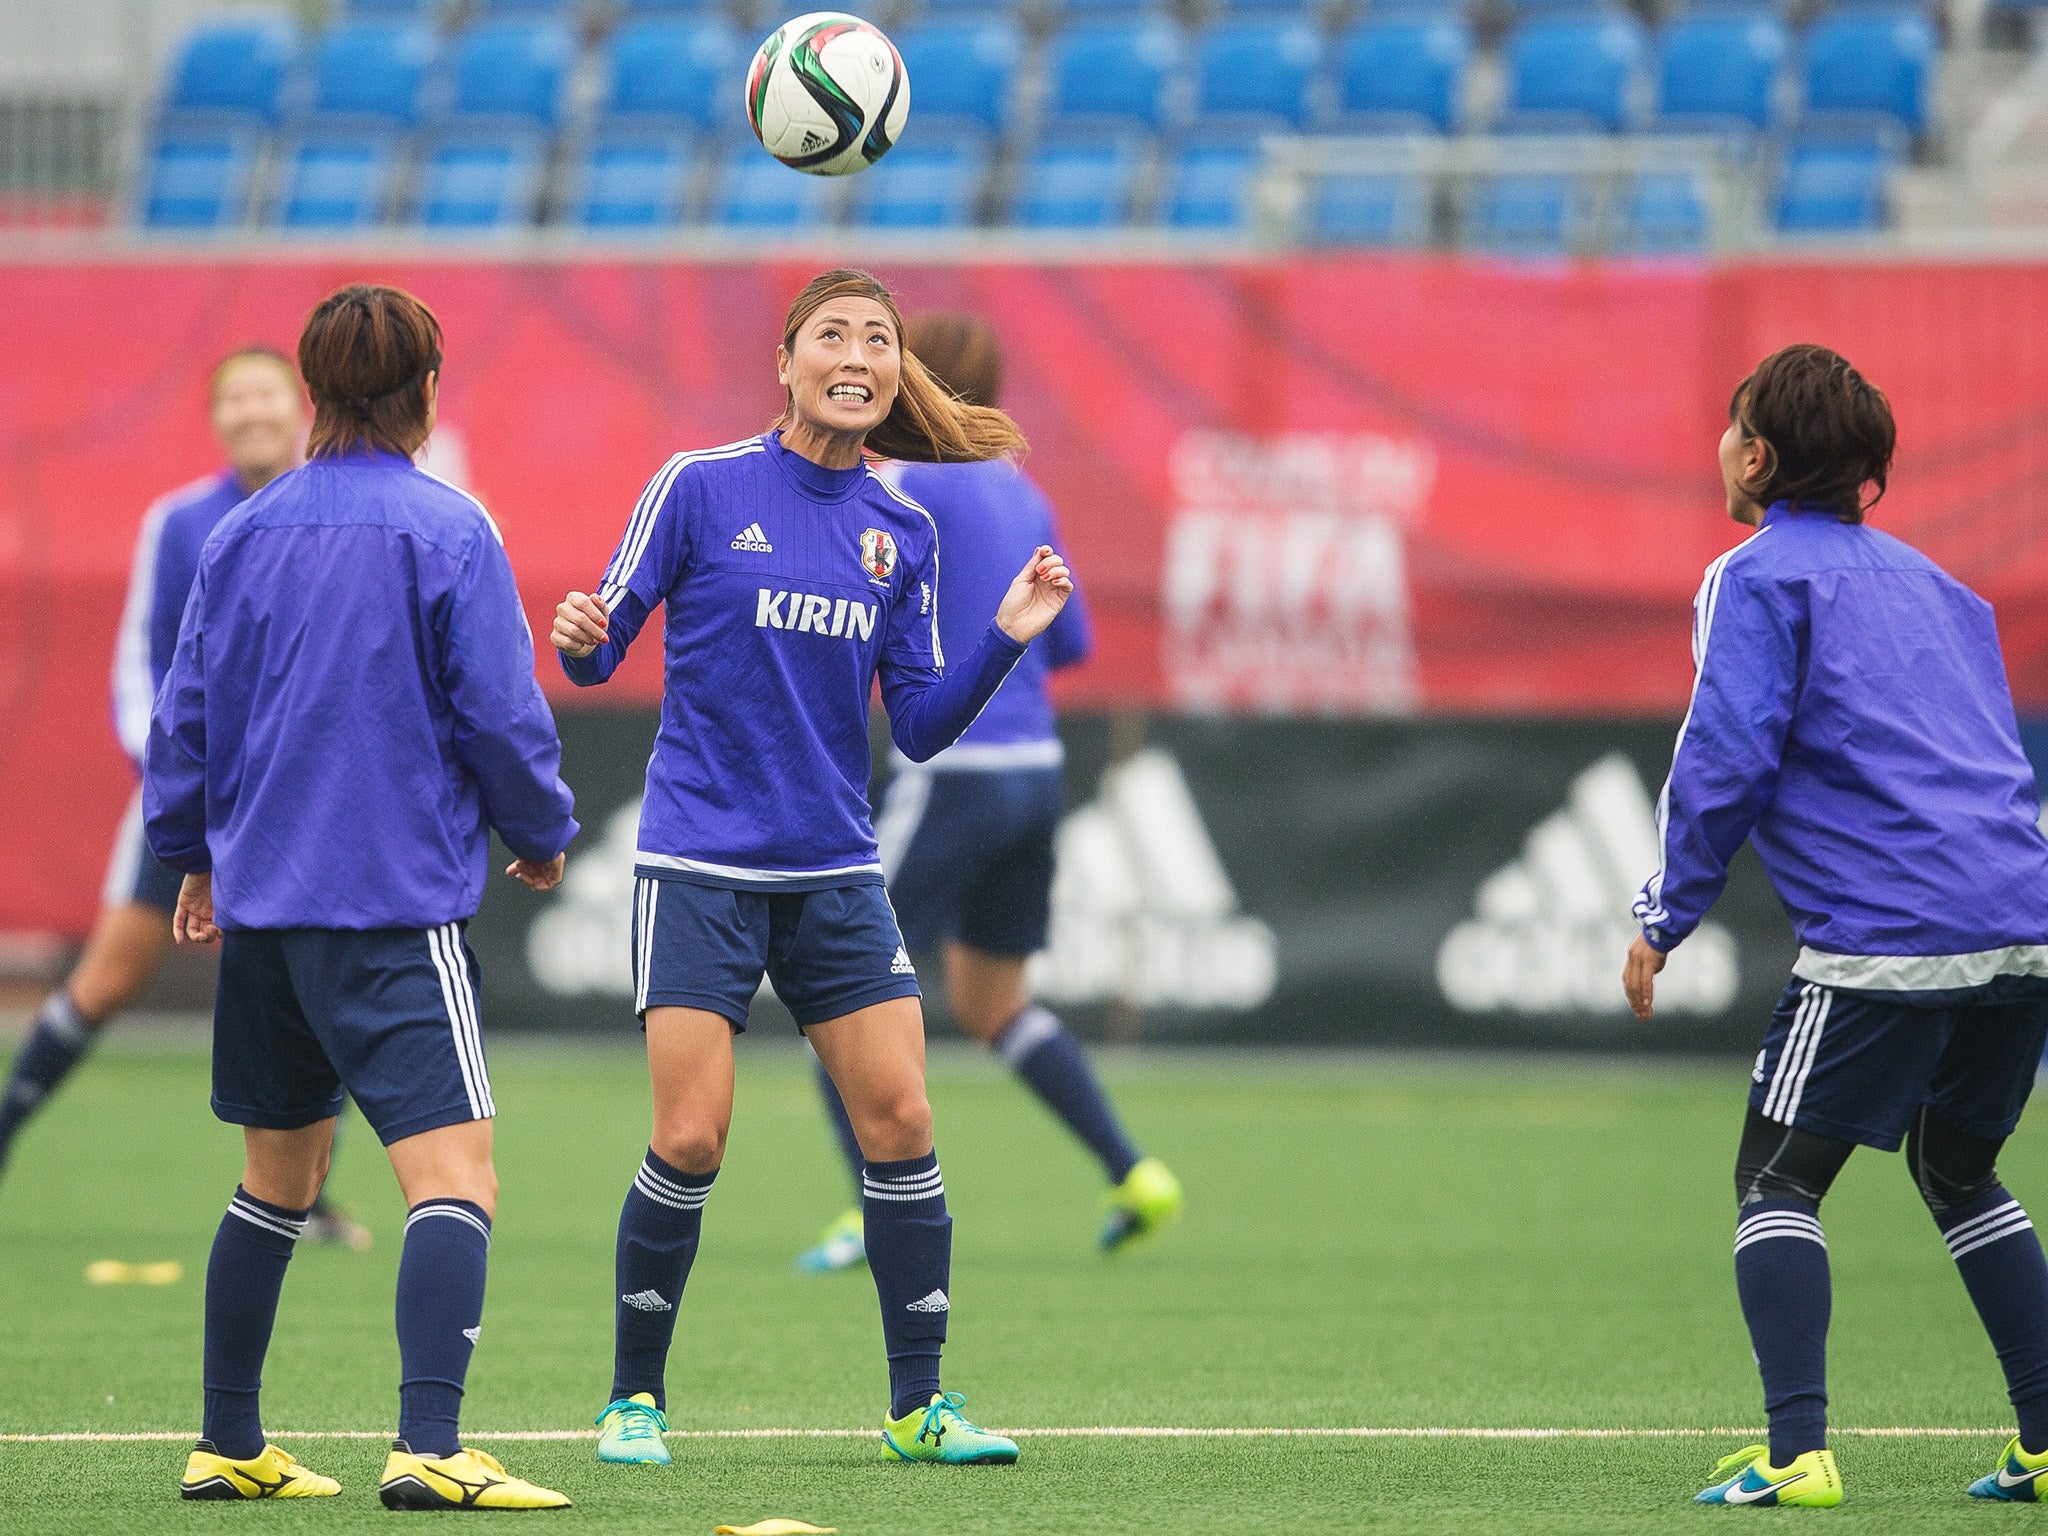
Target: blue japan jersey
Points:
x,y
788,588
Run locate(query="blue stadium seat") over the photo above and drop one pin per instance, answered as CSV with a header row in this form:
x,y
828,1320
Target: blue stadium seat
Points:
x,y
339,181
1112,72
481,181
1871,64
1076,184
233,68
757,191
627,181
1096,10
562,9
1402,73
371,71
635,10
1310,11
1256,73
1833,185
196,179
1524,215
1662,213
392,10
962,72
1717,69
1376,209
1572,71
923,186
672,71
512,70
1208,186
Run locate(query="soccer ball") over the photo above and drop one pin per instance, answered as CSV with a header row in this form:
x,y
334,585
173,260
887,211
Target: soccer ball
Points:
x,y
827,94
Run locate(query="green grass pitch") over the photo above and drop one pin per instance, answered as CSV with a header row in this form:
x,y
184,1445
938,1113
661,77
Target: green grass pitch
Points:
x,y
1370,1242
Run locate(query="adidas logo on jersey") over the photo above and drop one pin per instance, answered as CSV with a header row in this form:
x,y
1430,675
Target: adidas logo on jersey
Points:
x,y
935,1302
809,613
901,965
647,1301
751,538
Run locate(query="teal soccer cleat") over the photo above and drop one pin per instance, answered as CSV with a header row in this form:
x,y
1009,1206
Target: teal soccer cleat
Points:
x,y
842,1246
630,1432
2017,1480
940,1433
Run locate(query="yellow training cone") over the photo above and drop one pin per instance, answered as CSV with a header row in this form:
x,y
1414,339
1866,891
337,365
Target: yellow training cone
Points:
x,y
777,1527
116,1272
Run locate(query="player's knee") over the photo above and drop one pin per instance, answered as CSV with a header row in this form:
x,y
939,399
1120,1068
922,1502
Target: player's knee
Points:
x,y
896,1127
693,1148
1782,1162
1950,1167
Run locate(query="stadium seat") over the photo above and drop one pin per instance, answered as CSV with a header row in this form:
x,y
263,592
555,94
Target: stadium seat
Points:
x,y
1871,64
757,191
196,179
1403,73
512,70
922,186
1572,72
392,10
962,72
635,10
1524,215
1833,185
1386,210
627,181
233,68
336,182
1076,185
1113,72
371,72
1255,73
562,9
1719,69
1662,213
481,181
1208,186
672,71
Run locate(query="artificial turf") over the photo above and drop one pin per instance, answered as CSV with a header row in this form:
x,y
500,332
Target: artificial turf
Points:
x,y
1370,1242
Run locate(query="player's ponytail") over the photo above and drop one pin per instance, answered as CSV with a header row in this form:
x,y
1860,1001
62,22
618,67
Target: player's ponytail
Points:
x,y
929,423
365,355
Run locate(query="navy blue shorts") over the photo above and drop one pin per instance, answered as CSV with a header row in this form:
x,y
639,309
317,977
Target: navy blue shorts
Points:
x,y
969,855
1859,1068
134,874
827,952
389,1014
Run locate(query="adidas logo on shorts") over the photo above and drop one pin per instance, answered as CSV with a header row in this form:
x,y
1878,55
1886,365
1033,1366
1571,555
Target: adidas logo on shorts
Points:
x,y
647,1301
753,539
901,966
935,1302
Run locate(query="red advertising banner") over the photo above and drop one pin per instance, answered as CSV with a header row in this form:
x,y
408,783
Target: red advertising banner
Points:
x,y
1296,486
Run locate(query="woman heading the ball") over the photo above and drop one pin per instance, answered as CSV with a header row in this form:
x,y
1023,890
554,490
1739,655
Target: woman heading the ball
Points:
x,y
793,575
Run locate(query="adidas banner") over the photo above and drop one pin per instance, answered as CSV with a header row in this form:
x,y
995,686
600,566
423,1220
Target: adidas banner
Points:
x,y
1286,882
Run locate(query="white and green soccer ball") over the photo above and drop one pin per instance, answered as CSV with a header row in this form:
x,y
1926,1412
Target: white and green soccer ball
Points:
x,y
827,94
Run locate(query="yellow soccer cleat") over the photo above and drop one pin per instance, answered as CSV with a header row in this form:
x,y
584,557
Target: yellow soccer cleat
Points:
x,y
467,1480
1148,1199
273,1475
1747,1477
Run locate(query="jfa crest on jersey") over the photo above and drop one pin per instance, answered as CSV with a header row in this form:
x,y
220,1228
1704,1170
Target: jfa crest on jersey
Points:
x,y
878,553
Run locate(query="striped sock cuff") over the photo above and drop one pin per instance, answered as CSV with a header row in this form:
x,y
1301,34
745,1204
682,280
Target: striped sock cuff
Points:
x,y
2006,1219
1778,1221
915,1178
672,1187
464,1211
277,1219
60,1016
1026,1033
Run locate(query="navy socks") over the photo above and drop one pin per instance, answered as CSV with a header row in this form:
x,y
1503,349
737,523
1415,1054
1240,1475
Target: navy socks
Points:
x,y
1040,1050
1781,1273
658,1232
440,1313
1999,1256
61,1037
243,1278
910,1253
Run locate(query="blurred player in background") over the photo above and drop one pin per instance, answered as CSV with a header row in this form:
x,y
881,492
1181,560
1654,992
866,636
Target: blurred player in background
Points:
x,y
966,840
793,576
1851,717
259,416
350,710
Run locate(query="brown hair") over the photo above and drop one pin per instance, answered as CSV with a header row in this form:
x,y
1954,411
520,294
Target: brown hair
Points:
x,y
962,353
1827,431
365,354
260,351
928,424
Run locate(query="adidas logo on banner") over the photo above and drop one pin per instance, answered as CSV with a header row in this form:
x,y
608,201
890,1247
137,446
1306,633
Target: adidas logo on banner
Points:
x,y
1143,911
1552,927
752,538
935,1302
901,965
647,1301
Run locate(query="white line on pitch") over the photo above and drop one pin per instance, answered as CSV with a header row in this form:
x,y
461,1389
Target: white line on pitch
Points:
x,y
1089,1432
